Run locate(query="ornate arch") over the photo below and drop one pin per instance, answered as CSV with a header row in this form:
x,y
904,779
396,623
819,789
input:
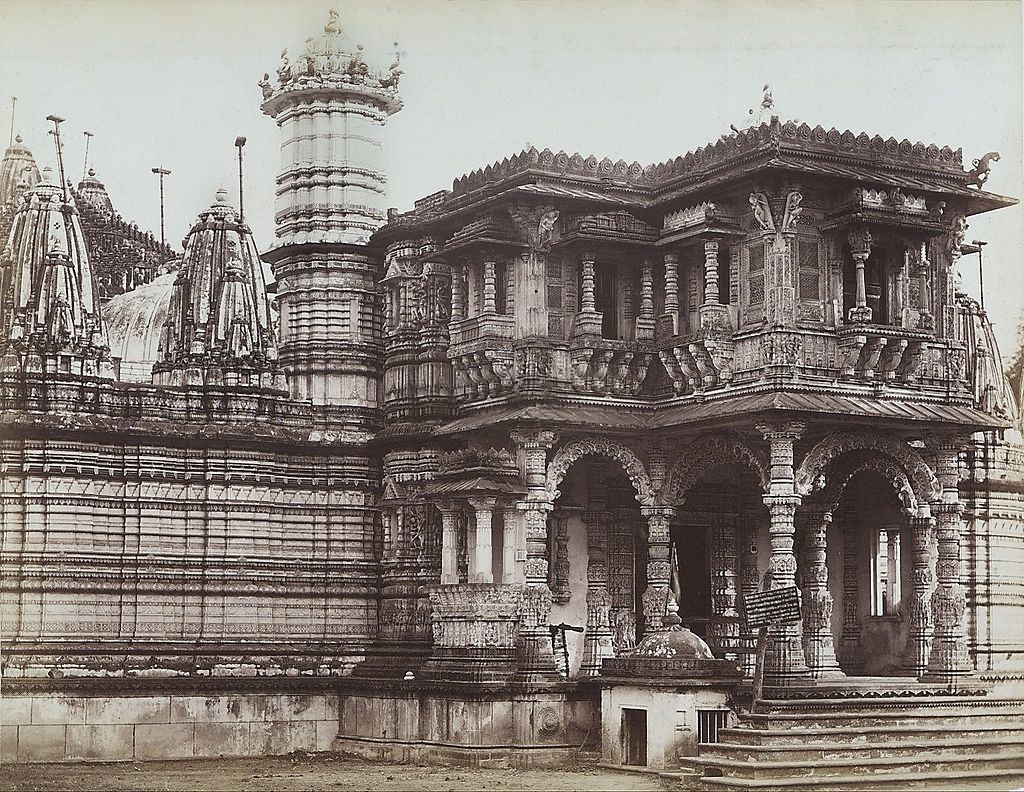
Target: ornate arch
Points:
x,y
633,466
887,468
920,477
709,451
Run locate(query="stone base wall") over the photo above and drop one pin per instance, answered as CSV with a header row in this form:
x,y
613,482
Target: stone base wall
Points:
x,y
484,729
79,726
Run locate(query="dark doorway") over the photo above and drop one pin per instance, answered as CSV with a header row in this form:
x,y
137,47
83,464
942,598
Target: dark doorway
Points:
x,y
691,543
634,737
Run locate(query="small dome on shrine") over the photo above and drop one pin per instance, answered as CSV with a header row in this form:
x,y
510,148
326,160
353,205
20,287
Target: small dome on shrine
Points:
x,y
134,322
677,643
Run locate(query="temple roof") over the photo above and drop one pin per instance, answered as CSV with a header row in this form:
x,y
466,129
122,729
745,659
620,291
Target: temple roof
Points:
x,y
784,146
18,172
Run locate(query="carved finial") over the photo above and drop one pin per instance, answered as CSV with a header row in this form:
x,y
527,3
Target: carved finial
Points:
x,y
221,196
767,102
333,26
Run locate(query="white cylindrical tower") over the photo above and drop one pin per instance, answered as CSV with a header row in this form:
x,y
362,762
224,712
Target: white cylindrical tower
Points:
x,y
331,196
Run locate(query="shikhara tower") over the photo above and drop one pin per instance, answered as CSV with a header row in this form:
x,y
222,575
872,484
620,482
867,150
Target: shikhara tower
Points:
x,y
331,109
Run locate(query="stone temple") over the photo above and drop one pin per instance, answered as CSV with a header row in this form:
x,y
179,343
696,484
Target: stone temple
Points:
x,y
430,504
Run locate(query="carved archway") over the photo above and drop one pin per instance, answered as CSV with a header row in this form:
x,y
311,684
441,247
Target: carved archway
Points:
x,y
707,452
632,465
920,477
828,497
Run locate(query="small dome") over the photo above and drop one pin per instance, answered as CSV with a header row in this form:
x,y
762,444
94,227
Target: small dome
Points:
x,y
675,643
134,321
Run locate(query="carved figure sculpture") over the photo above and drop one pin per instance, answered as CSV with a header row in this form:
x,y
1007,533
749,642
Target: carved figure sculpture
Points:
x,y
762,211
982,167
265,86
793,210
333,25
284,70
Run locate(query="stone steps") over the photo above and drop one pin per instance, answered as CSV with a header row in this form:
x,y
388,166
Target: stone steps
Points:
x,y
917,742
839,736
813,751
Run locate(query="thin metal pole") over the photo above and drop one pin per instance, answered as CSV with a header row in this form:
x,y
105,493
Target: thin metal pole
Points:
x,y
981,273
240,144
57,121
14,104
85,166
161,172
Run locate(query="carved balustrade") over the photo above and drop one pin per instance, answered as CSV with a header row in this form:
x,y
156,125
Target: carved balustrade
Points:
x,y
608,367
481,355
698,362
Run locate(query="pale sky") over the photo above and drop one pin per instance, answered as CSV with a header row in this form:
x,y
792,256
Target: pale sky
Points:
x,y
172,83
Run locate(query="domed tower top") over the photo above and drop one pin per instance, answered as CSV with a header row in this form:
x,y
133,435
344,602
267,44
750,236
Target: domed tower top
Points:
x,y
91,189
331,107
328,64
18,173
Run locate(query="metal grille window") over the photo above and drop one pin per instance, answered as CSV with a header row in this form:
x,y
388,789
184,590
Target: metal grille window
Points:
x,y
755,280
809,271
709,723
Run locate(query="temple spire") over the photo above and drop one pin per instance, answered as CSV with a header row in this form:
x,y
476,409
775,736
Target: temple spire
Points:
x,y
219,329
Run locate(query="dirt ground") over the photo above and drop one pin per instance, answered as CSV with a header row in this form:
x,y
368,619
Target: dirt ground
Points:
x,y
322,773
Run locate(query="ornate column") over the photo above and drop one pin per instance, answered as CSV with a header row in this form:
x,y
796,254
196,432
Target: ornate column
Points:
x,y
513,551
921,266
588,300
784,656
949,658
919,615
850,638
482,563
860,247
819,648
645,319
659,568
534,657
725,634
458,312
711,272
490,293
750,583
449,541
672,289
597,640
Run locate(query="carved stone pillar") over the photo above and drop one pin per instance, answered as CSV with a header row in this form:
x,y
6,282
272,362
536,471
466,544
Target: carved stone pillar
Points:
x,y
450,512
597,640
711,272
949,658
513,548
558,557
645,319
925,321
819,648
535,659
850,638
659,568
750,582
672,289
588,302
481,568
860,247
724,634
784,657
919,615
458,294
490,288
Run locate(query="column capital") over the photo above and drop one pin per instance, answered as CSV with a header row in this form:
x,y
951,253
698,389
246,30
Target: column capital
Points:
x,y
534,438
787,430
859,240
658,511
448,506
535,506
671,258
782,503
483,503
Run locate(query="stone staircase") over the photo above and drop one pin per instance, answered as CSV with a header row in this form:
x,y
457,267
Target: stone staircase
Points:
x,y
915,740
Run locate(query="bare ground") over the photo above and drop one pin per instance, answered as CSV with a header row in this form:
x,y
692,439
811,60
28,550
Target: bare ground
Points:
x,y
320,772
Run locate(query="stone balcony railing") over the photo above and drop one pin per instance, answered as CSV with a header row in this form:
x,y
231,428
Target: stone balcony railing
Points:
x,y
696,363
601,366
481,355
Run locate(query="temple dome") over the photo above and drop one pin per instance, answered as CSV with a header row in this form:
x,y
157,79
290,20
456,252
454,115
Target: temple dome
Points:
x,y
134,321
676,643
94,191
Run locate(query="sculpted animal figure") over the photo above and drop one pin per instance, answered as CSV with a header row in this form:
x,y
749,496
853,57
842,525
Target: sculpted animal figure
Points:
x,y
982,167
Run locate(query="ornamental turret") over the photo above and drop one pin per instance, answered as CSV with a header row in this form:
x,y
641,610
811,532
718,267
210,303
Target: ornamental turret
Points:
x,y
18,173
49,314
331,107
219,329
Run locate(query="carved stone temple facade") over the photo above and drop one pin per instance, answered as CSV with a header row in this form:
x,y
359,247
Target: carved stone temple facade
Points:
x,y
491,419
